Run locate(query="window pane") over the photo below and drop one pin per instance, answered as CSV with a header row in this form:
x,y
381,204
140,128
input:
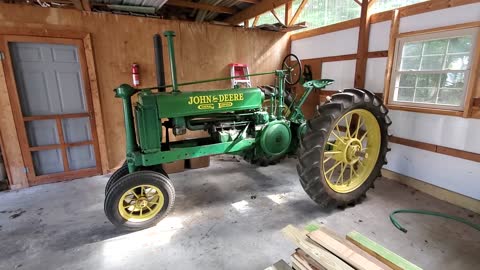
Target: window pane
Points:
x,y
319,13
428,80
407,80
460,45
453,80
405,94
412,49
410,63
450,97
432,62
382,5
425,95
435,47
457,61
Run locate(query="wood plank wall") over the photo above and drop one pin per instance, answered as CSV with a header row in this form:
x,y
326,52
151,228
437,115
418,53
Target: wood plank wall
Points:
x,y
202,51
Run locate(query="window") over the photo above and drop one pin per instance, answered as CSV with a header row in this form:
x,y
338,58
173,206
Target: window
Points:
x,y
383,5
432,70
319,13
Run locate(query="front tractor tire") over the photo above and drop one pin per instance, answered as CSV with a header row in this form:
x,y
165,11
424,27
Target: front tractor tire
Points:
x,y
344,148
122,171
139,200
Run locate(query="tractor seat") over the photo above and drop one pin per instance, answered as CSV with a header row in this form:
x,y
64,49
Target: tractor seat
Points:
x,y
318,84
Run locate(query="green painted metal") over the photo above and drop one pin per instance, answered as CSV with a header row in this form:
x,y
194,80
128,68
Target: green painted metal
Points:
x,y
182,104
281,89
171,54
384,255
182,151
275,138
297,115
125,92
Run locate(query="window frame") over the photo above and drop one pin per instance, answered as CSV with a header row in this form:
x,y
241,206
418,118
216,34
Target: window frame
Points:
x,y
433,34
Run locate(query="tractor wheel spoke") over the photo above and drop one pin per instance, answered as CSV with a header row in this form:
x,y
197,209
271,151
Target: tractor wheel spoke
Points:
x,y
332,152
327,159
342,171
332,169
338,137
359,124
347,123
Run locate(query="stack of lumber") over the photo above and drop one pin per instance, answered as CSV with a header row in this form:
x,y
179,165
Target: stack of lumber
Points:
x,y
321,248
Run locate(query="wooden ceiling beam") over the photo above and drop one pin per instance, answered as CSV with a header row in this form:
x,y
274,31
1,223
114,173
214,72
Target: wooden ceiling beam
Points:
x,y
249,1
298,12
274,13
202,6
255,21
86,5
288,12
255,10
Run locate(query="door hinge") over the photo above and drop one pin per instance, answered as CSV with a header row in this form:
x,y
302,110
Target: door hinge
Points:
x,y
25,169
2,55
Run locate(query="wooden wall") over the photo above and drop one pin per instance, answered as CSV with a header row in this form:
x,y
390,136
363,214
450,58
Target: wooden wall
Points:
x,y
202,51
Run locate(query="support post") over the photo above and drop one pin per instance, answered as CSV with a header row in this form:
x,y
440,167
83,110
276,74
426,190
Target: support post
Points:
x,y
171,54
288,13
362,50
391,50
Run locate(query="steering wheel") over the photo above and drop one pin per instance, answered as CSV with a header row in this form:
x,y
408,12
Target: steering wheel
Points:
x,y
293,69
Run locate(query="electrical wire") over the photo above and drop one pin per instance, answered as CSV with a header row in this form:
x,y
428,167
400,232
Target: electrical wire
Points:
x,y
430,213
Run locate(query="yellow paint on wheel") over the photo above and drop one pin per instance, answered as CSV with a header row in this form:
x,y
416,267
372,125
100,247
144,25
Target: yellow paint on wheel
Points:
x,y
354,151
141,203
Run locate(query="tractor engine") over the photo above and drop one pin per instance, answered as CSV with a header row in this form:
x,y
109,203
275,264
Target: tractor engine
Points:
x,y
227,115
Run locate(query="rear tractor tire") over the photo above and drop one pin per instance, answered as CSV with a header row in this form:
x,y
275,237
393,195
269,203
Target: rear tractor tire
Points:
x,y
344,148
139,200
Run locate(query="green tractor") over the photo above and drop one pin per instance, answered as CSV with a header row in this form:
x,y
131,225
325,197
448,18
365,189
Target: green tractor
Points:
x,y
340,151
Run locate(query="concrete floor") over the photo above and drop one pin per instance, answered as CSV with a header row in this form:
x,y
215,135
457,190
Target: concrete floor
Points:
x,y
228,216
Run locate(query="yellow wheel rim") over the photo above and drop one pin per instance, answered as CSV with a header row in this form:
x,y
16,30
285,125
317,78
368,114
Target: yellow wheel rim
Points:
x,y
352,150
141,203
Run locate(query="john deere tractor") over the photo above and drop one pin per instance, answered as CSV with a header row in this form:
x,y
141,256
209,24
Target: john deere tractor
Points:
x,y
340,151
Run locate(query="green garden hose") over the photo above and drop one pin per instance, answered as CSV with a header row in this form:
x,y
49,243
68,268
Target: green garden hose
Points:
x,y
430,213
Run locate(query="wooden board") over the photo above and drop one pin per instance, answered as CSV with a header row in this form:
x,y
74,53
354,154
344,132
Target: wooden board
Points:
x,y
343,251
298,265
304,257
435,191
405,11
280,265
12,155
203,51
394,26
386,256
319,254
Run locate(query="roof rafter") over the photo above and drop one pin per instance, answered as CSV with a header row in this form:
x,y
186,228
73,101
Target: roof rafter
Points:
x,y
249,1
298,12
274,13
202,6
255,10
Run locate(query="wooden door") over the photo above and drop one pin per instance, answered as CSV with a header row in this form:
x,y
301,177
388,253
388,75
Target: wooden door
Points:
x,y
52,107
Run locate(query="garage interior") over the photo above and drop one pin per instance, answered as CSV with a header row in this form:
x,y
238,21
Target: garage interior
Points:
x,y
65,131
